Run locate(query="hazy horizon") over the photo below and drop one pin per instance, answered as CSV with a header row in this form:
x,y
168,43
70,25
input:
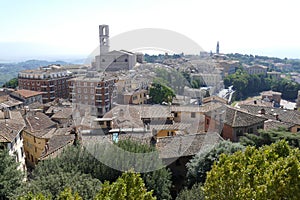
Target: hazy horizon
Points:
x,y
34,29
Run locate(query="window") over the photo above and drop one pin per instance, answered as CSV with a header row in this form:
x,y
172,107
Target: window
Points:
x,y
79,90
193,115
207,121
85,90
101,123
35,149
176,114
126,60
22,152
85,84
239,133
250,130
92,91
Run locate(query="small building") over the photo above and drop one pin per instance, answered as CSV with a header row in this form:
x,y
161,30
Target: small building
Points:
x,y
256,69
11,127
56,144
27,96
136,97
274,75
271,96
232,123
61,115
289,118
40,128
7,102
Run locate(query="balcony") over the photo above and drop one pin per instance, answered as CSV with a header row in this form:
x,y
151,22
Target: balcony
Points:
x,y
99,100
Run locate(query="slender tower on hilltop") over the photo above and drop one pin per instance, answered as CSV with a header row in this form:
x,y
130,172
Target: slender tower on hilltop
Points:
x,y
104,39
218,48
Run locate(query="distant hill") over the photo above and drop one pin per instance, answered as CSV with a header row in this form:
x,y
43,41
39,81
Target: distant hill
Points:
x,y
10,70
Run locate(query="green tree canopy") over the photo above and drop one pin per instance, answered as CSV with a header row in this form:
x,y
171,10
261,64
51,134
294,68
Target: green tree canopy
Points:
x,y
203,162
10,177
129,186
269,137
195,193
80,160
54,184
270,172
161,93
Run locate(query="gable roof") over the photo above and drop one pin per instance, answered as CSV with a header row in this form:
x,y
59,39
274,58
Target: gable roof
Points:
x,y
235,117
57,142
185,145
288,116
9,128
39,124
26,93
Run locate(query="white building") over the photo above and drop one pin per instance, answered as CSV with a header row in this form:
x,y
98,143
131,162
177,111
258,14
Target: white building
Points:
x,y
11,127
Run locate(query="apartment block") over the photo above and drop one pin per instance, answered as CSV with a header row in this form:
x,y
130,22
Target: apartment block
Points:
x,y
94,91
50,80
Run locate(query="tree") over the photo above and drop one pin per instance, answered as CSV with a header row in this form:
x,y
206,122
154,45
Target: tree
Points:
x,y
68,195
195,193
270,172
129,186
203,162
161,93
80,160
12,83
31,196
54,184
10,177
269,137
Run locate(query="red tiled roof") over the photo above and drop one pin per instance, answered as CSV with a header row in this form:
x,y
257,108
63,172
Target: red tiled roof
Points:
x,y
27,93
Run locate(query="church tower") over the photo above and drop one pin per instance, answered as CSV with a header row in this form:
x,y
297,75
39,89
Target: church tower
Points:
x,y
104,39
218,48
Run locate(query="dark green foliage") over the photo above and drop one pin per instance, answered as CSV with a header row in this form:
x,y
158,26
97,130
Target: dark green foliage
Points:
x,y
203,162
195,193
10,177
54,184
247,85
12,83
270,172
161,93
80,160
269,137
129,186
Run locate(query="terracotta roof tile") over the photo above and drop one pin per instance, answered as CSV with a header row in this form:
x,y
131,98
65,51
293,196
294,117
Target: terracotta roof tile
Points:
x,y
27,93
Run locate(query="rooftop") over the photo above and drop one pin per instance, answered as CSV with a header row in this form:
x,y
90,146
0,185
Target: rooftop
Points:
x,y
288,116
27,93
39,124
235,117
185,145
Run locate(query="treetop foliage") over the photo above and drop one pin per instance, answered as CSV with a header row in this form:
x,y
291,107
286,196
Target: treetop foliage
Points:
x,y
203,162
270,172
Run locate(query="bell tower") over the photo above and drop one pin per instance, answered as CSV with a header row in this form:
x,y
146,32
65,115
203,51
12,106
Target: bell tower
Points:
x,y
104,39
218,48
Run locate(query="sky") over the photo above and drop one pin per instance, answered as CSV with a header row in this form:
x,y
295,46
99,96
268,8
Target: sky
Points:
x,y
32,28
